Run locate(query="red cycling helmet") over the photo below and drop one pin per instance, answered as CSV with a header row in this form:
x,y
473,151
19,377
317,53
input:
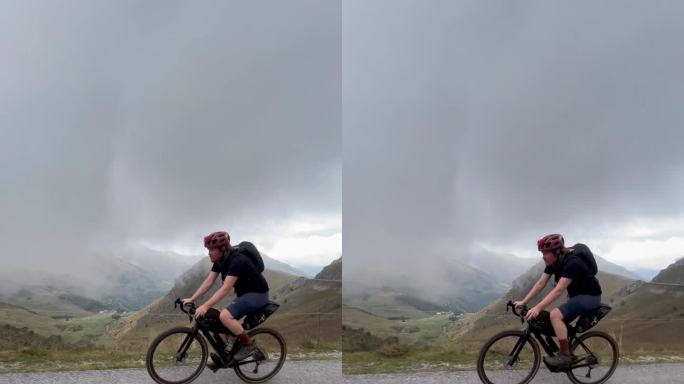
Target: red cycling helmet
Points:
x,y
217,240
550,242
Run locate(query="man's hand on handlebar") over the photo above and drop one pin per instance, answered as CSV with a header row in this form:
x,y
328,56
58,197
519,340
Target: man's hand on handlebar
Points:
x,y
533,313
201,310
518,308
187,301
519,304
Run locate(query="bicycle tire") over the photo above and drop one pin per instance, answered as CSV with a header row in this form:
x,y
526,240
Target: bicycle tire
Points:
x,y
155,343
279,365
510,333
615,356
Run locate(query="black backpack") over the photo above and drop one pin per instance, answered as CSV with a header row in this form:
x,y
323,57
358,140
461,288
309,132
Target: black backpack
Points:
x,y
248,249
583,252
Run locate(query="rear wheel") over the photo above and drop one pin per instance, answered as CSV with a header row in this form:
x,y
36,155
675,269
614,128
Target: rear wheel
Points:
x,y
597,358
267,360
509,357
177,356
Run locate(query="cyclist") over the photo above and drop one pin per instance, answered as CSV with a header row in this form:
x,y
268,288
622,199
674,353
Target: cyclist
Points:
x,y
237,270
574,269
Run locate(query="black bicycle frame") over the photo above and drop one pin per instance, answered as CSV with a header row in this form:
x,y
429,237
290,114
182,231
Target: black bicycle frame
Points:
x,y
213,339
546,345
215,343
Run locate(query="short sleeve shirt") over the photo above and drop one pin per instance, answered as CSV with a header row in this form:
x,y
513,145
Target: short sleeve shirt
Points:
x,y
249,279
573,267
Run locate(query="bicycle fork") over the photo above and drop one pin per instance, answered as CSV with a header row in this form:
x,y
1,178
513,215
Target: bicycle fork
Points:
x,y
513,356
182,351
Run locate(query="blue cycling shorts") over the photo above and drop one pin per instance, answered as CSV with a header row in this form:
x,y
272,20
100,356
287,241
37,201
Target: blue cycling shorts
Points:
x,y
579,305
247,304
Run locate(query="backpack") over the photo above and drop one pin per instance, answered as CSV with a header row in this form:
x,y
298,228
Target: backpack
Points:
x,y
583,252
248,249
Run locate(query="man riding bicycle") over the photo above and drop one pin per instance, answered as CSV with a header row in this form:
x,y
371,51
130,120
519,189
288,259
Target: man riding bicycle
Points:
x,y
574,269
237,270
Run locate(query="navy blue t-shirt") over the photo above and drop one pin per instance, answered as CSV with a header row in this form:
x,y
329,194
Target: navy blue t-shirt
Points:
x,y
249,279
573,267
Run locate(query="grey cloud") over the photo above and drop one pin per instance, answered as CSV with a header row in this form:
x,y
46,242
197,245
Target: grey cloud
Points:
x,y
155,120
469,122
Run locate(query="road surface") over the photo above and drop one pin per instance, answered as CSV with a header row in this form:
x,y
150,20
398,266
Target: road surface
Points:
x,y
625,374
304,372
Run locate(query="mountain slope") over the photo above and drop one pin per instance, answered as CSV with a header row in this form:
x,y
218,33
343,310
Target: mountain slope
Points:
x,y
610,267
451,284
673,274
276,265
311,315
111,281
648,317
18,317
332,271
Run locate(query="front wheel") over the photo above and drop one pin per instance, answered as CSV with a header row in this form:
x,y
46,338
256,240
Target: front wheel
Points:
x,y
177,356
596,358
509,357
267,360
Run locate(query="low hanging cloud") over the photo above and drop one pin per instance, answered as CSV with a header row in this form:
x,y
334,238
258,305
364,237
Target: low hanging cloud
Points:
x,y
471,124
131,123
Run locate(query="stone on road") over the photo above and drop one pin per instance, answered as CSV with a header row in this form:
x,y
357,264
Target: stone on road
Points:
x,y
304,372
625,374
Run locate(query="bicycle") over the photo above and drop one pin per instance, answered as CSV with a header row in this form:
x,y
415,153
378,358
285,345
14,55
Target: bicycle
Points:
x,y
516,358
179,355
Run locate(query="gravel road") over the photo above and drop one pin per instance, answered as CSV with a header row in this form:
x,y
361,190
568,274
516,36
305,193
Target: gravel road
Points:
x,y
304,372
329,372
628,374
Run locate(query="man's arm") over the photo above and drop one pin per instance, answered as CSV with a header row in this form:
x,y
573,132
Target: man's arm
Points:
x,y
538,286
208,282
555,293
221,292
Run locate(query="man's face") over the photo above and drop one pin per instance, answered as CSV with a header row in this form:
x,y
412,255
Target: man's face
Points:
x,y
549,257
215,254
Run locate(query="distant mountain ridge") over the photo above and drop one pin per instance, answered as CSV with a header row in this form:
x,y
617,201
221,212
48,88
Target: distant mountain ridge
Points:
x,y
126,280
673,274
462,284
277,265
333,271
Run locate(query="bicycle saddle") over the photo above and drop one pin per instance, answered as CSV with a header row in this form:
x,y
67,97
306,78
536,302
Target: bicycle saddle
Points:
x,y
258,317
590,319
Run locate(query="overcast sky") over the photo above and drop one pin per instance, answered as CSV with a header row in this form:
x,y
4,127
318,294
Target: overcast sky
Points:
x,y
155,123
471,125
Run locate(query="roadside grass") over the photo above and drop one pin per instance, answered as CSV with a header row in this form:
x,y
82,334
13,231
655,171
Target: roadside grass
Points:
x,y
388,360
28,360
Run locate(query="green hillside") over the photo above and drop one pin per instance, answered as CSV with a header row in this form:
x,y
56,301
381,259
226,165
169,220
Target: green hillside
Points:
x,y
388,303
310,317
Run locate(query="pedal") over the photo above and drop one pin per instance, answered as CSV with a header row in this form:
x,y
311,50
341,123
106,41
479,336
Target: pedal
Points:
x,y
260,355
